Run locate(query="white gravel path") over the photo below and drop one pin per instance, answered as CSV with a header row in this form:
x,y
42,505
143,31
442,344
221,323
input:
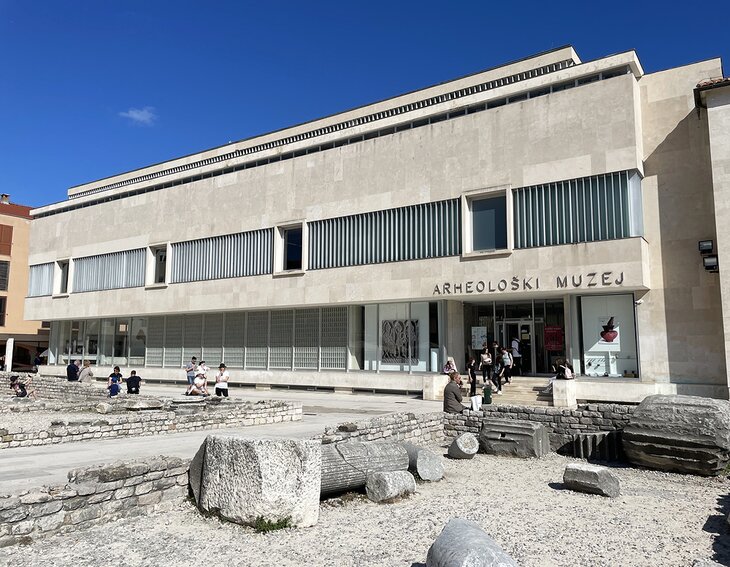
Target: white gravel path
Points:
x,y
660,519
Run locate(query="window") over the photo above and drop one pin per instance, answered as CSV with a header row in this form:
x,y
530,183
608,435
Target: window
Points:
x,y
293,248
160,264
6,239
489,223
4,275
3,305
63,279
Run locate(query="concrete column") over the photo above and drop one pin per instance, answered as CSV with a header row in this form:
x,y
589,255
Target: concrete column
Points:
x,y
718,118
455,333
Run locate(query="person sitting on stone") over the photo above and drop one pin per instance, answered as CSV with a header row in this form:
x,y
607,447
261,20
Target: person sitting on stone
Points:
x,y
199,387
21,388
452,394
72,371
133,383
114,385
450,366
86,375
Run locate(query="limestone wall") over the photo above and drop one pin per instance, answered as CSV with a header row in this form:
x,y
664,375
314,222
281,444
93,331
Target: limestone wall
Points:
x,y
147,422
93,495
426,428
562,423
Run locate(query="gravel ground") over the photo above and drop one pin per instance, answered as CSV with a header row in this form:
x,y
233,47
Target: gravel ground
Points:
x,y
660,519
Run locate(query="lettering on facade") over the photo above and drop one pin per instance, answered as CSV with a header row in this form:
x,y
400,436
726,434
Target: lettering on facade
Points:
x,y
516,283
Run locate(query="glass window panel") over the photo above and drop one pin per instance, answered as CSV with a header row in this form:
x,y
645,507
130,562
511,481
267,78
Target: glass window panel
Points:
x,y
107,343
489,221
121,342
93,327
293,249
138,341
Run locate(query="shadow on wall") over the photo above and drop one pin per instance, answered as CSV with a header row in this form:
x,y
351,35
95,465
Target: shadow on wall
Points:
x,y
692,305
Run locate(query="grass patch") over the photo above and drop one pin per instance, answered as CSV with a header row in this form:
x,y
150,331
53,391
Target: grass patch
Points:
x,y
262,525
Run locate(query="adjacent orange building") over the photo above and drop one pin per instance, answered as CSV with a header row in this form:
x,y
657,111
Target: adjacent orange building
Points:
x,y
30,338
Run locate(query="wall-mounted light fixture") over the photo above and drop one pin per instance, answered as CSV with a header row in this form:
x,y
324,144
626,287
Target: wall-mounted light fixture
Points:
x,y
705,246
710,263
709,260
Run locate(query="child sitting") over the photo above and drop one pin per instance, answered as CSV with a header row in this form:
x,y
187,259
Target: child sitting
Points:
x,y
115,382
21,389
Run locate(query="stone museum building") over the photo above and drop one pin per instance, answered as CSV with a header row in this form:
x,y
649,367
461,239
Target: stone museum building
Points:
x,y
577,206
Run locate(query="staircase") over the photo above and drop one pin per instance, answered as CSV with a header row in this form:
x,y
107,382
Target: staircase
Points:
x,y
522,391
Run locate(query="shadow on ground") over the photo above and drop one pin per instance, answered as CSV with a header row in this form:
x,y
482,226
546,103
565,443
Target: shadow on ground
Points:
x,y
717,524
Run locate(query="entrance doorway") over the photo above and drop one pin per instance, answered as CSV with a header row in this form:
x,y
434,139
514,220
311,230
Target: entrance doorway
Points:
x,y
538,324
522,330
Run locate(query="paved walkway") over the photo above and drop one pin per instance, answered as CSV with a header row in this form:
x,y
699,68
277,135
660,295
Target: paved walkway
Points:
x,y
28,467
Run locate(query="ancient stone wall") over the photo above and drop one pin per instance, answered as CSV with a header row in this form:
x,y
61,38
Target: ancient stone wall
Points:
x,y
55,388
148,422
93,495
427,427
562,423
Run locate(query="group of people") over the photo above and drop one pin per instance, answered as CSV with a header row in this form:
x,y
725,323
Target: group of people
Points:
x,y
75,372
497,364
197,377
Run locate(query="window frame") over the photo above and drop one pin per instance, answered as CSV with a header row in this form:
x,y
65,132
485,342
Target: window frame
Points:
x,y
280,248
467,220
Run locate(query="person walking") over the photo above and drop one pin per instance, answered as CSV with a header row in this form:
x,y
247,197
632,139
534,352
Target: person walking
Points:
x,y
516,357
486,365
507,363
498,373
471,368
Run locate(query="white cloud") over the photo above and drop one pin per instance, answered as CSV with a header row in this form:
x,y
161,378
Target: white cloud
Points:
x,y
145,116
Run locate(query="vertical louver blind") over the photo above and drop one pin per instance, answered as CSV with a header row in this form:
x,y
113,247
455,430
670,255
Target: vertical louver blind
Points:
x,y
600,207
218,257
429,230
109,271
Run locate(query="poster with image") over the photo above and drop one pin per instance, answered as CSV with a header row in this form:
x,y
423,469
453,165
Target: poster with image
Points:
x,y
609,334
478,337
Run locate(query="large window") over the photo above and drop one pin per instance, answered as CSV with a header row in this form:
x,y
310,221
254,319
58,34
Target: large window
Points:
x,y
429,230
109,271
600,207
489,223
218,257
40,281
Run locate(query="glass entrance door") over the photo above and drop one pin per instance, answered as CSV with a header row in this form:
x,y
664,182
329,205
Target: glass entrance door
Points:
x,y
522,330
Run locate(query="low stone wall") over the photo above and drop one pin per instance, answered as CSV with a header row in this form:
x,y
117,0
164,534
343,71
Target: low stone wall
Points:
x,y
562,423
427,427
93,495
149,422
56,388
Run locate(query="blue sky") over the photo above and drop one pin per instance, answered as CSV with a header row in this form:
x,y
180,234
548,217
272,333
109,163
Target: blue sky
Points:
x,y
93,88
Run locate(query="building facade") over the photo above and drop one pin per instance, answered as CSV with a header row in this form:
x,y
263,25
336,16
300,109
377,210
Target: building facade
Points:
x,y
20,340
551,200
